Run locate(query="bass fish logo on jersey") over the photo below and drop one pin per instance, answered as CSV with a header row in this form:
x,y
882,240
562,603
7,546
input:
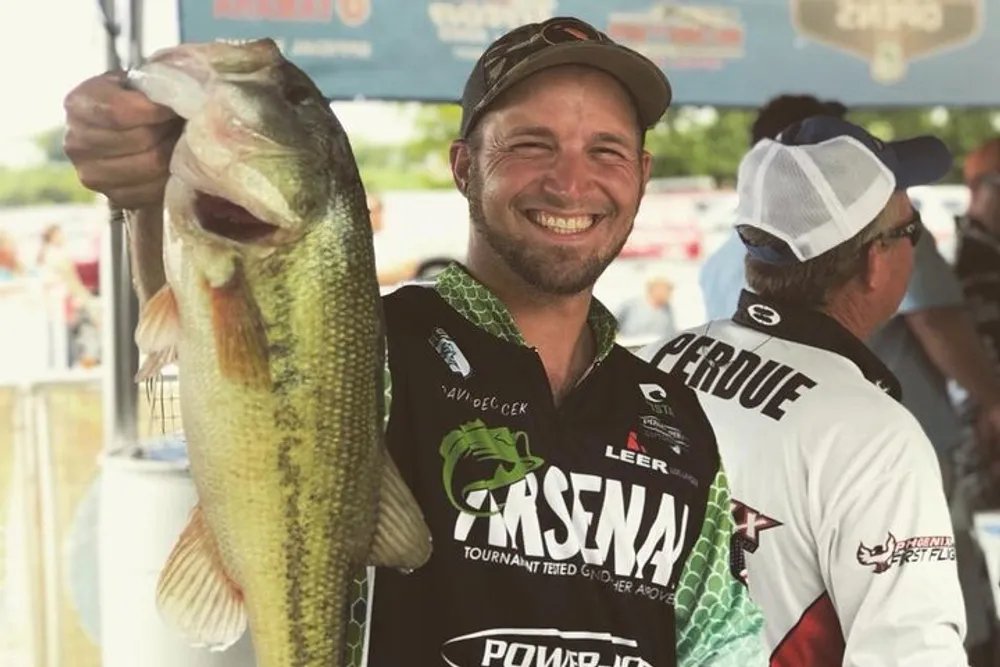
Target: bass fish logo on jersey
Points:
x,y
495,461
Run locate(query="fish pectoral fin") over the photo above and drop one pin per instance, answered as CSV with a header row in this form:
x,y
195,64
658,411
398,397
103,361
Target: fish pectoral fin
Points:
x,y
154,363
240,336
402,538
195,594
158,332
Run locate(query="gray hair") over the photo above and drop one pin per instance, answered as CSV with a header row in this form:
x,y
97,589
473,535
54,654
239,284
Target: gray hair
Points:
x,y
811,283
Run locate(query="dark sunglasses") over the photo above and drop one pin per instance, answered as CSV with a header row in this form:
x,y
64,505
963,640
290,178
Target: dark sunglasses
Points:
x,y
912,230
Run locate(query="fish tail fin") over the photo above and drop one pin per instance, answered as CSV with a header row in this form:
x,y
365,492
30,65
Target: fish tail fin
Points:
x,y
196,594
240,335
158,332
402,537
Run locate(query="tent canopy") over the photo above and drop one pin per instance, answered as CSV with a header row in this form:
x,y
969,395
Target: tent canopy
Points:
x,y
715,52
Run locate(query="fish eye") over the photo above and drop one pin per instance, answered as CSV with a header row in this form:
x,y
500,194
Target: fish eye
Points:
x,y
297,93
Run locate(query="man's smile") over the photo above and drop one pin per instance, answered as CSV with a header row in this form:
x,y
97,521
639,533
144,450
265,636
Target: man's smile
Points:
x,y
563,223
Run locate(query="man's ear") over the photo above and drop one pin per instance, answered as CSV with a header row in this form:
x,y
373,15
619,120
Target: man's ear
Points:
x,y
877,270
646,170
647,167
461,159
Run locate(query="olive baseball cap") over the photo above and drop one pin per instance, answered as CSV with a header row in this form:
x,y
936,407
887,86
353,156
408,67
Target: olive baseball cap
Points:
x,y
562,40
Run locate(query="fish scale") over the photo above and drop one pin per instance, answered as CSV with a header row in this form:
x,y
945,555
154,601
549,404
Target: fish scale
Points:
x,y
271,308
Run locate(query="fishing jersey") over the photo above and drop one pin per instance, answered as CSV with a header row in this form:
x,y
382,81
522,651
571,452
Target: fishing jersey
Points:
x,y
842,531
977,266
594,534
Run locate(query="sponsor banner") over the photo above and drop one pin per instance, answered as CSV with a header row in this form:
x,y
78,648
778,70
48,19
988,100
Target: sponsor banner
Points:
x,y
723,52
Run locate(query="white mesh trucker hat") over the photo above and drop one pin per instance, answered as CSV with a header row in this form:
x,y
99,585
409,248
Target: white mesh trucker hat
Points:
x,y
824,180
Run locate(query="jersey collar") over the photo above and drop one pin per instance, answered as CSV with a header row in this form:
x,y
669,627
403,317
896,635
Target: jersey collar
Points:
x,y
815,329
476,303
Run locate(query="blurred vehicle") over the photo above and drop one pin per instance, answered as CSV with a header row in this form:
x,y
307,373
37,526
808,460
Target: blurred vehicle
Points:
x,y
679,221
430,227
716,214
666,227
433,227
715,210
667,224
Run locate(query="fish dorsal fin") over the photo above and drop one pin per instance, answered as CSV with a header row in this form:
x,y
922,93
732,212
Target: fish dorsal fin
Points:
x,y
196,595
158,332
402,538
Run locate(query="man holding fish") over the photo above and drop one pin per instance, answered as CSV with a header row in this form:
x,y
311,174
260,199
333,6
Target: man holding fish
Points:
x,y
578,507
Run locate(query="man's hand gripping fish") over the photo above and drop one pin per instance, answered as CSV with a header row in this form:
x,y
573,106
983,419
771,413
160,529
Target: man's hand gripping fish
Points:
x,y
271,309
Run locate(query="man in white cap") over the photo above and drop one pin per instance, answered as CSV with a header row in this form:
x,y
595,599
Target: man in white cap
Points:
x,y
843,534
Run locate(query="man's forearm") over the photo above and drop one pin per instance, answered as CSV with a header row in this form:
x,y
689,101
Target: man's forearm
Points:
x,y
952,343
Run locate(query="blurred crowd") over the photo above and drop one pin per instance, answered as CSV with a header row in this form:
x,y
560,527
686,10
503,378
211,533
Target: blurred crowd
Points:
x,y
73,284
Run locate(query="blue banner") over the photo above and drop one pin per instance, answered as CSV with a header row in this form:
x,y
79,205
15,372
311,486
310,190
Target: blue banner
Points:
x,y
715,52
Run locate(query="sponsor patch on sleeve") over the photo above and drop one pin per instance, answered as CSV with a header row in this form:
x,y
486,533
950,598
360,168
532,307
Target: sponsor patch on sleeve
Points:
x,y
895,552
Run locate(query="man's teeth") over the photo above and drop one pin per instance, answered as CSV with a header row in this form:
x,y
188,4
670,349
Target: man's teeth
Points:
x,y
562,225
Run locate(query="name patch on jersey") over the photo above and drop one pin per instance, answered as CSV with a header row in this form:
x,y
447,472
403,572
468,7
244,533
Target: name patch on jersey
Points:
x,y
485,402
715,367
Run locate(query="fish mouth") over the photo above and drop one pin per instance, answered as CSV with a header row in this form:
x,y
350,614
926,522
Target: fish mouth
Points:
x,y
226,219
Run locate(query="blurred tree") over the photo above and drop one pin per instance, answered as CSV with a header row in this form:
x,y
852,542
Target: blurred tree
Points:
x,y
51,144
421,163
389,167
961,129
689,141
45,184
695,141
436,125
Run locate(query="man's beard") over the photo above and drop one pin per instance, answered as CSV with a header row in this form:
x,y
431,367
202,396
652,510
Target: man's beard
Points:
x,y
550,270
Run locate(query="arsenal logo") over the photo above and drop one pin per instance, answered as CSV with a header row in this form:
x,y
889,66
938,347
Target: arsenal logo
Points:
x,y
889,34
353,12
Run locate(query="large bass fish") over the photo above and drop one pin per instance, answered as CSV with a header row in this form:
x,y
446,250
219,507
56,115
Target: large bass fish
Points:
x,y
268,301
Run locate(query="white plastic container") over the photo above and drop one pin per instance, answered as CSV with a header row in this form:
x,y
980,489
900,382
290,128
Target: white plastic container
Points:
x,y
144,506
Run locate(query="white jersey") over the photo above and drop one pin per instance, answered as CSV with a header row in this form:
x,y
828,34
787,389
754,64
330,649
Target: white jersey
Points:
x,y
843,534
